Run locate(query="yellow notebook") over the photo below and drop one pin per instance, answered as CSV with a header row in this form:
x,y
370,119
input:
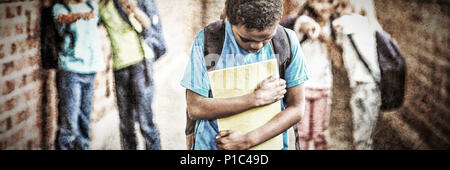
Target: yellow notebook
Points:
x,y
241,80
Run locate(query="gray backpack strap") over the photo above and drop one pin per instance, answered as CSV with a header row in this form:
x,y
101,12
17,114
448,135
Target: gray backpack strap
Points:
x,y
282,49
214,38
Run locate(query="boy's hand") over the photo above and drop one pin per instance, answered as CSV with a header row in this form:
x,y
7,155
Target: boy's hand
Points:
x,y
88,15
269,91
73,17
232,140
132,9
142,17
127,6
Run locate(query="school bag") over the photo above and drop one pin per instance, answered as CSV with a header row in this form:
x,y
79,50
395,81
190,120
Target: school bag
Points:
x,y
214,37
51,41
392,69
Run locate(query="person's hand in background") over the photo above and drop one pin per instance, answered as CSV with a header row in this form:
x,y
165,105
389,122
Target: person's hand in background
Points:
x,y
308,26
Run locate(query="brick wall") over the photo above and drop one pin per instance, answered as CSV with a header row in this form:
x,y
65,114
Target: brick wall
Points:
x,y
28,98
421,29
20,84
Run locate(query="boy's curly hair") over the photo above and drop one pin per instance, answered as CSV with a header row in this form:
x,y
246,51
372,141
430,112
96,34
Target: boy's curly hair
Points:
x,y
254,14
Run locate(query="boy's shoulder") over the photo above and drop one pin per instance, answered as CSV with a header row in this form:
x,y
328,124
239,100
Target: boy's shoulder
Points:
x,y
57,6
291,34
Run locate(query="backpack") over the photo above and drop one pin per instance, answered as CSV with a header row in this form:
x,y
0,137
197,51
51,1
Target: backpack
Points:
x,y
392,69
214,37
50,39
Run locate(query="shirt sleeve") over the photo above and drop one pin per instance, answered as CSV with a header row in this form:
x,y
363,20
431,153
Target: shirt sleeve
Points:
x,y
58,10
297,72
196,76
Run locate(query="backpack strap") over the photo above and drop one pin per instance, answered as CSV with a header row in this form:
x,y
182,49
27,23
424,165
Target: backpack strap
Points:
x,y
282,49
350,36
90,5
67,7
66,31
214,37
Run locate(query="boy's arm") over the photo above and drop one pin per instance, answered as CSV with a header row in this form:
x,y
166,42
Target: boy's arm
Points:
x,y
295,101
142,18
132,9
199,107
73,17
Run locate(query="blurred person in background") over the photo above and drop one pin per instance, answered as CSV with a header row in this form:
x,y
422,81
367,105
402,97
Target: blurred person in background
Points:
x,y
313,27
355,37
80,57
135,32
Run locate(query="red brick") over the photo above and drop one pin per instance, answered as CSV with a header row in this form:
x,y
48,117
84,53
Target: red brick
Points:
x,y
19,29
28,96
19,65
21,116
16,137
32,61
19,10
13,48
2,13
8,123
29,145
8,105
9,13
35,28
3,144
22,46
8,87
27,13
8,68
33,94
5,125
32,44
6,31
23,81
35,76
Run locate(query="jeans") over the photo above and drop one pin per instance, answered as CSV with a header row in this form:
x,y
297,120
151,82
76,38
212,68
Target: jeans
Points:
x,y
134,98
365,105
74,108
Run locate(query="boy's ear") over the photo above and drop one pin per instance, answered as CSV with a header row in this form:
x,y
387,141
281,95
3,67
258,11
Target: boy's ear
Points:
x,y
224,14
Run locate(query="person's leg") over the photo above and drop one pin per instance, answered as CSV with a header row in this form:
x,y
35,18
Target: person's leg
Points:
x,y
365,104
143,91
69,95
86,108
303,127
126,110
319,119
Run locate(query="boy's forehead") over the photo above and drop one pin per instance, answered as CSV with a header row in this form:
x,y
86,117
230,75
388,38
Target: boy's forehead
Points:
x,y
255,34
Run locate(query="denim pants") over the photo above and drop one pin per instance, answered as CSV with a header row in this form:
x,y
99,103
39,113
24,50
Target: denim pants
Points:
x,y
365,105
74,108
134,98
